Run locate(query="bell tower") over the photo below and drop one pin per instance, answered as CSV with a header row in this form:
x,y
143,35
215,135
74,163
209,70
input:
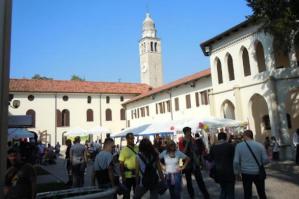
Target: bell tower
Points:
x,y
151,70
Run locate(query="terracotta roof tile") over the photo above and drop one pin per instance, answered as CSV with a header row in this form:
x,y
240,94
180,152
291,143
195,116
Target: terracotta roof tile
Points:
x,y
68,86
173,84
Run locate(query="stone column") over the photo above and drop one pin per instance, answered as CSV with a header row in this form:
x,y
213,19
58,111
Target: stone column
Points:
x,y
5,29
278,120
285,141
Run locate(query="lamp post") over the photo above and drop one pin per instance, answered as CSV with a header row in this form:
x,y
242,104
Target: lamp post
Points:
x,y
5,30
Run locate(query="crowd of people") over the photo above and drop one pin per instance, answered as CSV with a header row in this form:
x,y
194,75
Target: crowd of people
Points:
x,y
158,166
152,167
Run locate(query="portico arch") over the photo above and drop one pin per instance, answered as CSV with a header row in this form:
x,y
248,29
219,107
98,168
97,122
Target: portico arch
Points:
x,y
292,109
259,120
228,110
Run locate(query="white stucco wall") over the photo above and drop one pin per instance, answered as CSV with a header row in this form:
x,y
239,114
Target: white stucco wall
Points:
x,y
180,92
45,106
271,84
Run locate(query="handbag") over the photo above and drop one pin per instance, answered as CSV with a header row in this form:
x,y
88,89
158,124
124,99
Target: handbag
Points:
x,y
262,171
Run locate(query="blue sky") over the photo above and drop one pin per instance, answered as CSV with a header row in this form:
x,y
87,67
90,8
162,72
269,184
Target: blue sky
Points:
x,y
98,39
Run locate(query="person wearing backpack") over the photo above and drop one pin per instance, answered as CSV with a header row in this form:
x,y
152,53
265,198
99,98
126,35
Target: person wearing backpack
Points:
x,y
173,171
148,170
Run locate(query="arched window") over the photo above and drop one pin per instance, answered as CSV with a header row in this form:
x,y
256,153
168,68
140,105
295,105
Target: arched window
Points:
x,y
152,47
107,99
122,114
121,98
230,67
219,71
228,110
32,113
108,113
65,117
88,99
246,64
58,118
260,56
89,115
155,46
266,121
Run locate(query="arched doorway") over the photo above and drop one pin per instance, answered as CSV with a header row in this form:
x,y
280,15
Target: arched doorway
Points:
x,y
228,110
64,138
259,120
292,111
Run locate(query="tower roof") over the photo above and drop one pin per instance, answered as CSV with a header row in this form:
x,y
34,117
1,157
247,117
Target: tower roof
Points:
x,y
148,29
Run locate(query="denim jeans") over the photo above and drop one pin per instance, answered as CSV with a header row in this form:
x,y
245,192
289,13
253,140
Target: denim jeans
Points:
x,y
174,182
227,190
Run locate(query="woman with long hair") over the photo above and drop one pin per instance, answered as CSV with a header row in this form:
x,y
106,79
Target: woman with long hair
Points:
x,y
171,158
148,170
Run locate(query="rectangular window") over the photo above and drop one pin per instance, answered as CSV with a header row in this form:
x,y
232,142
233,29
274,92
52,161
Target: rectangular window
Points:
x,y
137,112
142,112
204,97
161,107
176,104
188,101
147,110
197,99
132,114
157,111
168,106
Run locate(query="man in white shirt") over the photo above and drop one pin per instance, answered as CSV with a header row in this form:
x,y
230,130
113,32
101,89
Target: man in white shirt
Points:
x,y
79,161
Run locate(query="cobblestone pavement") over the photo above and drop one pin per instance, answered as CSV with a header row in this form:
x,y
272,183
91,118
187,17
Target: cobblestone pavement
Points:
x,y
282,181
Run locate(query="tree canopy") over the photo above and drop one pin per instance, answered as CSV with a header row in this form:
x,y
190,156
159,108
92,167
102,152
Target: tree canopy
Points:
x,y
38,76
77,78
280,18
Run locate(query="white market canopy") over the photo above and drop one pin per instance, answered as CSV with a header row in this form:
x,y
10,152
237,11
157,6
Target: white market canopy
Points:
x,y
171,127
76,132
135,130
19,133
98,130
82,132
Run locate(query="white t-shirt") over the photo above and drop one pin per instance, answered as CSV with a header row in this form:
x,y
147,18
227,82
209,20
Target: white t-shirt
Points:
x,y
172,163
77,151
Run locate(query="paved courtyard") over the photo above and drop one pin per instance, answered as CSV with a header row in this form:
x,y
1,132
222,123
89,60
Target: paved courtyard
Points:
x,y
282,181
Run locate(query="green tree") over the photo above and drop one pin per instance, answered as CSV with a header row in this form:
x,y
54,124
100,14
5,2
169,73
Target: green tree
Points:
x,y
77,78
38,76
280,18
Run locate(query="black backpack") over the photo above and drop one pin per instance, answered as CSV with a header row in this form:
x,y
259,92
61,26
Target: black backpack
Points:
x,y
149,176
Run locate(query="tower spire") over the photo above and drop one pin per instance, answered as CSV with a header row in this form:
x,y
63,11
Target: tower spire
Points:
x,y
151,69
